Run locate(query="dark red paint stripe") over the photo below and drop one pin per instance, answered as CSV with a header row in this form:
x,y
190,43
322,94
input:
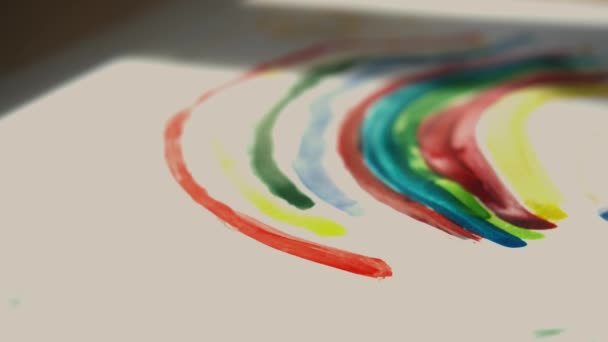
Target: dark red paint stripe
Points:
x,y
348,148
449,146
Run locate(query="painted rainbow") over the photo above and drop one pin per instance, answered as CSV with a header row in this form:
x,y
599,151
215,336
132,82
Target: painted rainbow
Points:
x,y
412,143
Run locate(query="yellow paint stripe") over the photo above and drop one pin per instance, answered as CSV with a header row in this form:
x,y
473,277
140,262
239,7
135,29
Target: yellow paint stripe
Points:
x,y
512,153
317,225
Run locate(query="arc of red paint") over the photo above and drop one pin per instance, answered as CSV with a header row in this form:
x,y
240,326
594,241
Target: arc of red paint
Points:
x,y
351,262
449,146
348,148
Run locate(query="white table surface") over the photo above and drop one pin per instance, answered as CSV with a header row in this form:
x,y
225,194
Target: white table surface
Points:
x,y
98,243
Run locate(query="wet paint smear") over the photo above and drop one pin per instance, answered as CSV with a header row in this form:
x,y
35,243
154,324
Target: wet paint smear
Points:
x,y
440,139
543,333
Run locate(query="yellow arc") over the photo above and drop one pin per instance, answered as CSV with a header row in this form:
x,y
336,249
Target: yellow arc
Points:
x,y
317,225
510,149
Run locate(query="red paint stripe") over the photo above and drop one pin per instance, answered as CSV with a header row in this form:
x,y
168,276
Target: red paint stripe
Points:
x,y
351,262
348,147
449,146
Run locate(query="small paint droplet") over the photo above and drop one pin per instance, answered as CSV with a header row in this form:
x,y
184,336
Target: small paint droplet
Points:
x,y
547,332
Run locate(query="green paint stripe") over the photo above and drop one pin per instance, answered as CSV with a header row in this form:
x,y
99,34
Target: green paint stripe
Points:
x,y
262,161
405,135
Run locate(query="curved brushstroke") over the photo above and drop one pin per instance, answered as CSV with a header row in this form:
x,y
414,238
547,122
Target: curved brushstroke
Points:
x,y
262,158
308,163
380,155
351,262
412,144
348,147
407,127
407,132
449,146
333,257
528,178
317,225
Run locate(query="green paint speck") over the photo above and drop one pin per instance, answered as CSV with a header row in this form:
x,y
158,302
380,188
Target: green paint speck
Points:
x,y
13,303
547,332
